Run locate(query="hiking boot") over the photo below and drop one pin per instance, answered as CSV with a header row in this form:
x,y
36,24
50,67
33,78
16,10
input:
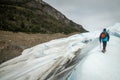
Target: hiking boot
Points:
x,y
103,50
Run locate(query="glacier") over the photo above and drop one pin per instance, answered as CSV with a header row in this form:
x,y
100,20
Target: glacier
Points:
x,y
77,57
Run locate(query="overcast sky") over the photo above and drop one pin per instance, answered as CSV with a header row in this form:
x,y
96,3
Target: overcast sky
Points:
x,y
92,14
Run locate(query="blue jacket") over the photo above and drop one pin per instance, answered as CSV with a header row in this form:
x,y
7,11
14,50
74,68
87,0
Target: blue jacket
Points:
x,y
104,39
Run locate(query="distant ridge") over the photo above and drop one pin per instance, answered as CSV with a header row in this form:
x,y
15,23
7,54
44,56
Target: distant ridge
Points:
x,y
34,16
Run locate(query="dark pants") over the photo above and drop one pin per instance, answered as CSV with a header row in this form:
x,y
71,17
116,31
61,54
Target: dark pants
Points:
x,y
104,45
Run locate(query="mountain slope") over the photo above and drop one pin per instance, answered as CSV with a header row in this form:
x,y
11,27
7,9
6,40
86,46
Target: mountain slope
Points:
x,y
34,16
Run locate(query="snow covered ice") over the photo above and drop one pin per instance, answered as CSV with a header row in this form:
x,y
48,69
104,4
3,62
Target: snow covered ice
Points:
x,y
97,66
48,60
38,62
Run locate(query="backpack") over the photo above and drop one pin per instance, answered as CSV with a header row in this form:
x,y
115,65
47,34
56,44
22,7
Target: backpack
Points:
x,y
103,35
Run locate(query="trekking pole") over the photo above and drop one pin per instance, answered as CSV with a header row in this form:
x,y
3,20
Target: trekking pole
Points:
x,y
100,45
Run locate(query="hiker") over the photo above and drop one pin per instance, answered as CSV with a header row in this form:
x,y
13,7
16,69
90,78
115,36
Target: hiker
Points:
x,y
104,37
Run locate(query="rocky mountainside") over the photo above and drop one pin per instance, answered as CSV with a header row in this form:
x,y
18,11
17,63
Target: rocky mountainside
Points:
x,y
34,16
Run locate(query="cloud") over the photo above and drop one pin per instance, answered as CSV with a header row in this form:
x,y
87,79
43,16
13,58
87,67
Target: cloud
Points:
x,y
89,13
